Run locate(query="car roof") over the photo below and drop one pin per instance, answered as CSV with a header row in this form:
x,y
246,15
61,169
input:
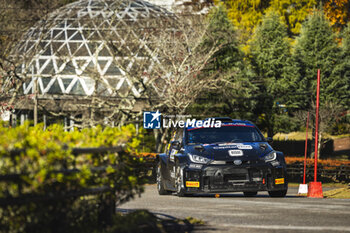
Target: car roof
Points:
x,y
228,120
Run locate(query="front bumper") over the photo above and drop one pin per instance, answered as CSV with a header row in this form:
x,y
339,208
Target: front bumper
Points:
x,y
232,178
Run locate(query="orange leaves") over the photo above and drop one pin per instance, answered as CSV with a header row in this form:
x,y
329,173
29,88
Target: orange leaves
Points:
x,y
338,12
147,154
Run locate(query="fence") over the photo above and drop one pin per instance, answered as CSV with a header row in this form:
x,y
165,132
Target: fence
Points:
x,y
297,147
326,173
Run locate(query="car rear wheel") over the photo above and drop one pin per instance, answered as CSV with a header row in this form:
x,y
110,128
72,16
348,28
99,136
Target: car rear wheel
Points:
x,y
250,194
160,182
281,193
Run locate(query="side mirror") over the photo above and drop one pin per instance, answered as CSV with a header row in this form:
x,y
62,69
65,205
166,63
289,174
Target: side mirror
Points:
x,y
175,145
269,139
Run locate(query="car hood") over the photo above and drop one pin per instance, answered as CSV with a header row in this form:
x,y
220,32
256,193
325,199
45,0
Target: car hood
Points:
x,y
230,151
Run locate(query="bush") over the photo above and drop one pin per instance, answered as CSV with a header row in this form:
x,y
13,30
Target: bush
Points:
x,y
49,171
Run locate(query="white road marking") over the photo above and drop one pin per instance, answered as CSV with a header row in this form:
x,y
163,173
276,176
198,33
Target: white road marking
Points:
x,y
282,227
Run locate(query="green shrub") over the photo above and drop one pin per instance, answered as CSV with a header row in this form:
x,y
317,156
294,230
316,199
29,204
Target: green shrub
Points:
x,y
43,161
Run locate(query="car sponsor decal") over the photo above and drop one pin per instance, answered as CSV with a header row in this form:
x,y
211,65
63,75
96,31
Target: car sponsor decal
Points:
x,y
235,152
237,124
192,184
224,147
240,146
279,181
244,147
228,144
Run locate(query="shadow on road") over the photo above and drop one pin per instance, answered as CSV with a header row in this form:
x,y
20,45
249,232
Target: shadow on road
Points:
x,y
237,195
160,222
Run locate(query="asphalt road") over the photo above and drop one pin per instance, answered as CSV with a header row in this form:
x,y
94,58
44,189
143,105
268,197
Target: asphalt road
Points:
x,y
236,213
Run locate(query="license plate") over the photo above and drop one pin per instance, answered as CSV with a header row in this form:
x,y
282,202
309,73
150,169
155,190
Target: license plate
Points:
x,y
235,152
192,184
279,181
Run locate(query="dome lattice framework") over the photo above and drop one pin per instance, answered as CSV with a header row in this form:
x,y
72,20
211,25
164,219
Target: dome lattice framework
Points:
x,y
70,52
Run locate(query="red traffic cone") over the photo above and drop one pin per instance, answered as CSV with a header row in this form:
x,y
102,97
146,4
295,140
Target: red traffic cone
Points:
x,y
315,190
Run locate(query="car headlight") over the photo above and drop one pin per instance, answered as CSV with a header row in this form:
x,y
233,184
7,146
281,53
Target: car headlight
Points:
x,y
198,159
270,157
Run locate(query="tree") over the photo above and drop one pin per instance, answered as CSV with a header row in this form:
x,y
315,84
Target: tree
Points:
x,y
168,61
17,17
337,12
292,12
342,72
316,48
245,15
271,63
329,114
342,69
235,92
154,60
222,30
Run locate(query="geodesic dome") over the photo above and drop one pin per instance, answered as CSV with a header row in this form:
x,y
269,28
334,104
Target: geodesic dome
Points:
x,y
69,52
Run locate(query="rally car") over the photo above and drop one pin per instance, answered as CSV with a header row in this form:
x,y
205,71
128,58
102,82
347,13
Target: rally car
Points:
x,y
232,158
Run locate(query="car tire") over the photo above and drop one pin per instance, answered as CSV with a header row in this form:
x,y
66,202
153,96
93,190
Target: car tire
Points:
x,y
160,183
250,194
180,191
280,193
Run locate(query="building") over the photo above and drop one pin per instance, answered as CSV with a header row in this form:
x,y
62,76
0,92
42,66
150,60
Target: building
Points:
x,y
75,63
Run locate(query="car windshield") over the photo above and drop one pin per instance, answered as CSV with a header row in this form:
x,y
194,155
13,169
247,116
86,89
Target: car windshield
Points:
x,y
223,134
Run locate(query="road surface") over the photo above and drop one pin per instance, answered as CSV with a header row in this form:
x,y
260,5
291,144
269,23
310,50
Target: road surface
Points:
x,y
236,213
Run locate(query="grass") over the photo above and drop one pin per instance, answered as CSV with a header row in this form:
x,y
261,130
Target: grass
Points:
x,y
298,136
341,193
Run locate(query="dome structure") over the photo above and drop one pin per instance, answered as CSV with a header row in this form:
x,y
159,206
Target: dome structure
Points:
x,y
77,49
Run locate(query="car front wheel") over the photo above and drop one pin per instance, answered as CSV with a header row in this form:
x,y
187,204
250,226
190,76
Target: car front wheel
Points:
x,y
180,191
160,182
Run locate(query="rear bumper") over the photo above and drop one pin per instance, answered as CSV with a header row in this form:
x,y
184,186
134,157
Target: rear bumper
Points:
x,y
230,178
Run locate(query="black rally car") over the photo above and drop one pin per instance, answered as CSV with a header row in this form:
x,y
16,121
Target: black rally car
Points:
x,y
233,158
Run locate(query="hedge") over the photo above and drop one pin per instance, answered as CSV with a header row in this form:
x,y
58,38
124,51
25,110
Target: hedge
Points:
x,y
45,166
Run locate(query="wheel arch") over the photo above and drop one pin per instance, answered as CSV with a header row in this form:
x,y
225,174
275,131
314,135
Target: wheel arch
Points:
x,y
181,159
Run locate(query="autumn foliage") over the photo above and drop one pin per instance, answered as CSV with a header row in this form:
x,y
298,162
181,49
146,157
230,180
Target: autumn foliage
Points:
x,y
337,12
325,162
